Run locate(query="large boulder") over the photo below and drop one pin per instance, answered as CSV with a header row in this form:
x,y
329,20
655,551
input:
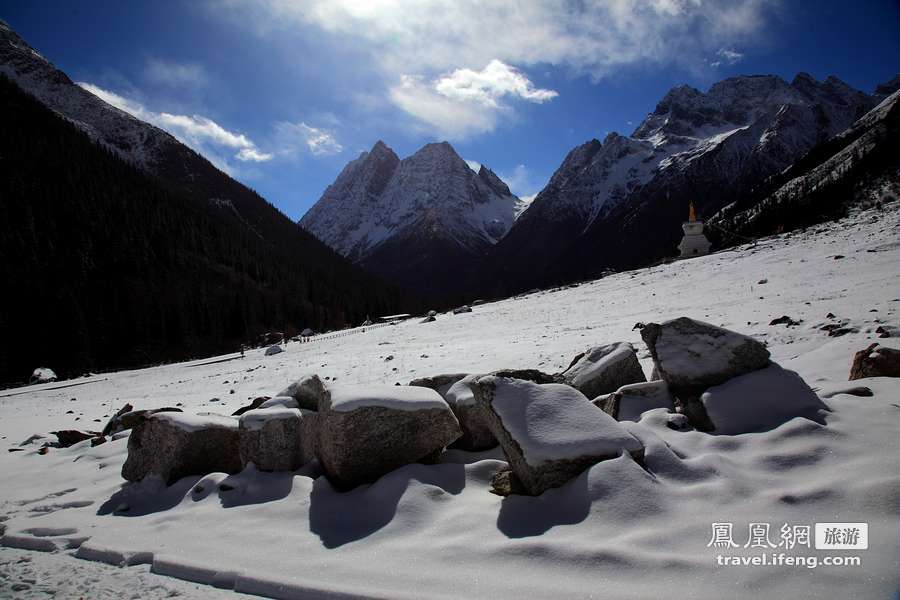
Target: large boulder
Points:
x,y
173,445
308,391
277,438
276,349
368,431
629,402
455,389
603,369
476,434
760,401
550,433
875,361
691,356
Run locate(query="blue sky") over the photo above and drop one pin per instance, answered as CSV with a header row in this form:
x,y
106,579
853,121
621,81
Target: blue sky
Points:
x,y
282,94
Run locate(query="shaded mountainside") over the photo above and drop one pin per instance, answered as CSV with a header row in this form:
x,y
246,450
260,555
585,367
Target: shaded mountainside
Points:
x,y
106,266
620,203
859,167
422,222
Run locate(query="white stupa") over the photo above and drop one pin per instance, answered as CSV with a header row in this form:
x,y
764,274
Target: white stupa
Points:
x,y
694,243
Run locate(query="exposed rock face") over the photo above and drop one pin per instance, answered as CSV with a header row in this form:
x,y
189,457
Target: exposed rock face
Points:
x,y
691,356
277,439
550,433
276,349
174,445
629,402
477,435
309,392
367,431
603,369
875,361
760,400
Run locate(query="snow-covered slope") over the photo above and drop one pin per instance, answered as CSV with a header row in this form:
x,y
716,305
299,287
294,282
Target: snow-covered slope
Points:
x,y
433,192
621,201
435,531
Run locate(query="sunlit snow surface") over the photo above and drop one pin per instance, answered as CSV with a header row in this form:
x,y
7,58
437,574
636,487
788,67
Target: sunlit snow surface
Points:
x,y
616,531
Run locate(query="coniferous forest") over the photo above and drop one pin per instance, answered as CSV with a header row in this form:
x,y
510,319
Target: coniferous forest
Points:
x,y
104,266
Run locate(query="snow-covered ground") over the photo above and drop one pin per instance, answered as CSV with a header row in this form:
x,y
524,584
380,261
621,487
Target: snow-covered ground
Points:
x,y
616,531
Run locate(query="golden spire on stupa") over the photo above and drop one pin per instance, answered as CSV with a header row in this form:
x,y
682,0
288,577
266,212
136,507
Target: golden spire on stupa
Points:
x,y
692,216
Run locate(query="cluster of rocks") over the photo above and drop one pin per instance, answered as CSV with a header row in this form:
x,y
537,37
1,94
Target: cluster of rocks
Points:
x,y
550,426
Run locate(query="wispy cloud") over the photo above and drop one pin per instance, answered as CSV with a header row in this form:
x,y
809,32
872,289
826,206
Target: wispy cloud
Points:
x,y
726,56
292,137
200,133
175,74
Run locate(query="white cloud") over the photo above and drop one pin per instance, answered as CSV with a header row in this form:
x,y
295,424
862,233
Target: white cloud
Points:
x,y
589,36
431,54
200,133
253,155
175,74
318,142
727,57
448,118
490,84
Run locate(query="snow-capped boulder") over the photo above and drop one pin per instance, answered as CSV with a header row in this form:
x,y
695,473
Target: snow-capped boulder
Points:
x,y
173,445
280,402
276,349
462,309
875,361
130,420
277,438
308,392
629,402
366,431
550,433
760,400
691,356
603,369
42,375
439,383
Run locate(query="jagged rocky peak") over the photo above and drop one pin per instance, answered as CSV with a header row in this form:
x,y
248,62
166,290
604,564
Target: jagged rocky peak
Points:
x,y
493,181
883,90
431,194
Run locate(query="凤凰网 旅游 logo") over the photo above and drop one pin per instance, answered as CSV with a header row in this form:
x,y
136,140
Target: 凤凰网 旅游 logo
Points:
x,y
827,536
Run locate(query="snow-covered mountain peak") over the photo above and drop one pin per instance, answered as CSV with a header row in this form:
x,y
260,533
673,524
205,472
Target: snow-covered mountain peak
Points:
x,y
432,194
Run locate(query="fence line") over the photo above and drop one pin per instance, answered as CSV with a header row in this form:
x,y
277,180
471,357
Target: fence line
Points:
x,y
343,333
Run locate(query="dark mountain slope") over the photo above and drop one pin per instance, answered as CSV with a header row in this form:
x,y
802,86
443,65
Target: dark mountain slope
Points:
x,y
106,266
